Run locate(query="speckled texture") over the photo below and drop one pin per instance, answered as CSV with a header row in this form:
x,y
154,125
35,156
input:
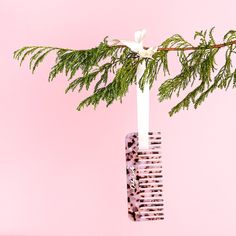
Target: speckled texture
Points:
x,y
144,178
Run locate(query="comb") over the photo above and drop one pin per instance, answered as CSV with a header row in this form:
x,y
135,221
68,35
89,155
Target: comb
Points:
x,y
144,178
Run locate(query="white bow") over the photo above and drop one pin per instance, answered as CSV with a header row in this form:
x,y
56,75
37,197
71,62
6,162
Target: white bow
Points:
x,y
137,44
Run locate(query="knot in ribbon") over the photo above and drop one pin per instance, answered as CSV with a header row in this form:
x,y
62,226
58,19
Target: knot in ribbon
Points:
x,y
136,45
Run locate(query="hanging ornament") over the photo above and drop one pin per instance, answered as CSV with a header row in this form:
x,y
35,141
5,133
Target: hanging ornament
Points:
x,y
143,158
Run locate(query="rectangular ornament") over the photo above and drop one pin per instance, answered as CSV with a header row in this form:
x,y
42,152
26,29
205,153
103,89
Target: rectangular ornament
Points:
x,y
144,178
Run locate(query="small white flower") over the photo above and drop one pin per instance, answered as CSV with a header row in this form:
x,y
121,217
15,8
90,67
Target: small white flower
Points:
x,y
137,44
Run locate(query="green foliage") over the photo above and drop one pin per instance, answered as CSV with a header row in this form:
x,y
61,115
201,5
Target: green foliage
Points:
x,y
200,64
95,65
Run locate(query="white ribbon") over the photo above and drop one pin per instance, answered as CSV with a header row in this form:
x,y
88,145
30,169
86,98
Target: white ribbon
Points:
x,y
142,96
136,45
142,109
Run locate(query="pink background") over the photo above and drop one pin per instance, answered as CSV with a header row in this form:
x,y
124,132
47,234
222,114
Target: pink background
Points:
x,y
62,172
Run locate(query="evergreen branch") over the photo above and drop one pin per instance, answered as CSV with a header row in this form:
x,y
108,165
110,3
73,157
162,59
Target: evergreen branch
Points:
x,y
222,79
95,65
116,89
201,64
184,104
192,48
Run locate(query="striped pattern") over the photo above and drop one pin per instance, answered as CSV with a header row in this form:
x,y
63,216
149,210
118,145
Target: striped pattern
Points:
x,y
144,178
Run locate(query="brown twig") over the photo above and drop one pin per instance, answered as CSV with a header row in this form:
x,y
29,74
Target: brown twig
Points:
x,y
221,45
